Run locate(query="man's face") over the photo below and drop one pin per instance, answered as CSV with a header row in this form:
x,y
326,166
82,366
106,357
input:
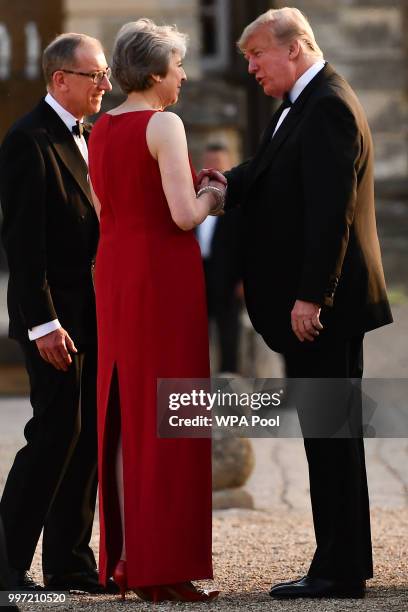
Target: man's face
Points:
x,y
82,95
271,63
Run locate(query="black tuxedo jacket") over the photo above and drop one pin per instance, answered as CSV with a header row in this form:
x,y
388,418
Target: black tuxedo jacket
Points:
x,y
50,228
309,220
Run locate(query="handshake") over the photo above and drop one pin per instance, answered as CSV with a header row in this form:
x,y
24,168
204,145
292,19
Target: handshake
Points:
x,y
212,181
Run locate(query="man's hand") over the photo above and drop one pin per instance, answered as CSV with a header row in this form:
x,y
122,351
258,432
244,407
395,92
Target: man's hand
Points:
x,y
210,173
305,320
54,347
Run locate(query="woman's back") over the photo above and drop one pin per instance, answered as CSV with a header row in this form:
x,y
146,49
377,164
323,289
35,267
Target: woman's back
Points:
x,y
125,176
145,263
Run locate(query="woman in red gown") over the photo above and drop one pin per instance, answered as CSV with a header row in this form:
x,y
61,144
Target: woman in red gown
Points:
x,y
155,494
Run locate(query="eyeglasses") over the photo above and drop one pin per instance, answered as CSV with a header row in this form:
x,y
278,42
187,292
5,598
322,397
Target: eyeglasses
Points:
x,y
97,77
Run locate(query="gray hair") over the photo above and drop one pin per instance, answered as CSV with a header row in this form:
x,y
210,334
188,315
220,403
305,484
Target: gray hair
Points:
x,y
142,49
61,53
286,24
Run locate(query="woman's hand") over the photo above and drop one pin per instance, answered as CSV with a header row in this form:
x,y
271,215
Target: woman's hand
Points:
x,y
207,174
217,195
206,180
217,184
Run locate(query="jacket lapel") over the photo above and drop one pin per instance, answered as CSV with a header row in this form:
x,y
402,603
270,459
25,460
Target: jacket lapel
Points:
x,y
265,155
267,135
275,142
66,149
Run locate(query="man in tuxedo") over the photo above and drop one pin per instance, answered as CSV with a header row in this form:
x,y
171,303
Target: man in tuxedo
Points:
x,y
219,239
313,276
50,234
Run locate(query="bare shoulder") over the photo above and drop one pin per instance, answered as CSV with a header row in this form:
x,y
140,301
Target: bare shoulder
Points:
x,y
165,132
166,123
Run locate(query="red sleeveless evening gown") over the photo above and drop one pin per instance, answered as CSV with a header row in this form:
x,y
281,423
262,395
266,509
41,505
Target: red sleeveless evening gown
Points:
x,y
152,323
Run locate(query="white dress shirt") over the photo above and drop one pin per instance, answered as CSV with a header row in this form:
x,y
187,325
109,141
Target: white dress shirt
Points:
x,y
46,328
69,121
299,87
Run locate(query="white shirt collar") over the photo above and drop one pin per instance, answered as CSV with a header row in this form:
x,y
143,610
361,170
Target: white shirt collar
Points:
x,y
69,121
62,112
305,79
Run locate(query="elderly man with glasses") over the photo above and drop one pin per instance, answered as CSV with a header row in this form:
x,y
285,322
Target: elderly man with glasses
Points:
x,y
50,234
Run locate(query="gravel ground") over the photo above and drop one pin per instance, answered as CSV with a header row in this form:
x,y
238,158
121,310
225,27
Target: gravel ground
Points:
x,y
266,547
254,549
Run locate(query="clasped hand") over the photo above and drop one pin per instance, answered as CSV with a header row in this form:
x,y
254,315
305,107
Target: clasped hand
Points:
x,y
210,176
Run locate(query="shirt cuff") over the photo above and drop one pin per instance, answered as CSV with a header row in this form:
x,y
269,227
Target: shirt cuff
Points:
x,y
38,331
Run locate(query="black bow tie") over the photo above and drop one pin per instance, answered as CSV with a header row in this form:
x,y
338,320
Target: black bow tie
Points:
x,y
286,102
79,128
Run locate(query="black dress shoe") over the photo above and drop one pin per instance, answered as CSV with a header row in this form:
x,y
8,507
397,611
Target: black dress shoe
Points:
x,y
319,587
21,580
86,582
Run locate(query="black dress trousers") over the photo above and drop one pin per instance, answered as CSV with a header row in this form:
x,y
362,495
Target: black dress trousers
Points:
x,y
53,480
337,471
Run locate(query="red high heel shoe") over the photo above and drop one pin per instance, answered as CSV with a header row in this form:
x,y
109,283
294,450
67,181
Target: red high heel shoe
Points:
x,y
153,594
186,591
120,577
